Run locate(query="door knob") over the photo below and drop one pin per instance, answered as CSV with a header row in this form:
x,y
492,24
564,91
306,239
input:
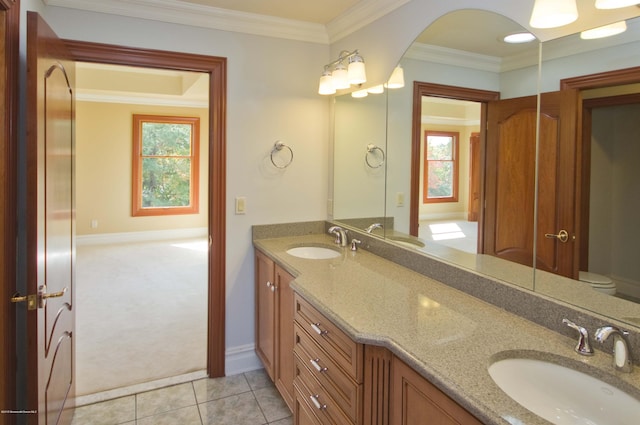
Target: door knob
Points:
x,y
562,236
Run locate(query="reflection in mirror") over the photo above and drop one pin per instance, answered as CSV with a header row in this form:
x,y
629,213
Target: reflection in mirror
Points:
x,y
595,187
359,159
455,68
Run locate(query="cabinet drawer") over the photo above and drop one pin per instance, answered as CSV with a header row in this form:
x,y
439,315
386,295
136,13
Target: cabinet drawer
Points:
x,y
317,399
344,391
344,351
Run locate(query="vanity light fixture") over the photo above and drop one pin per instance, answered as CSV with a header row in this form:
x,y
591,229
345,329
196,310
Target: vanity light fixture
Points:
x,y
396,81
553,13
604,31
614,4
338,76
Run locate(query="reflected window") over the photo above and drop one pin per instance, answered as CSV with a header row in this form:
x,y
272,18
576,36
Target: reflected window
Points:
x,y
440,166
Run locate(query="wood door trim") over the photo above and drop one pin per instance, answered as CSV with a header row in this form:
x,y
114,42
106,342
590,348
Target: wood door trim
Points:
x,y
450,92
216,67
585,82
10,12
602,79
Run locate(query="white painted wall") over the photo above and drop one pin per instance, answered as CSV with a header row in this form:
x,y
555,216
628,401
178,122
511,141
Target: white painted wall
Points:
x,y
271,95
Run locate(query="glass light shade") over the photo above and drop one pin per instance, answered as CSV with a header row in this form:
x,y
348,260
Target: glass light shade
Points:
x,y
604,31
553,13
614,4
359,93
376,89
340,77
356,71
326,84
397,78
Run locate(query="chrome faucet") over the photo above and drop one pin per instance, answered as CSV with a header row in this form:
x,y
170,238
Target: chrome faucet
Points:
x,y
583,347
621,355
341,235
373,227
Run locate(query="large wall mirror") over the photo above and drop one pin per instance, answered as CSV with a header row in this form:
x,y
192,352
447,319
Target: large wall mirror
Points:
x,y
464,50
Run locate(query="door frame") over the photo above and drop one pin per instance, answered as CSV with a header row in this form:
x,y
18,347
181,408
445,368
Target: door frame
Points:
x,y
216,67
586,82
9,60
449,92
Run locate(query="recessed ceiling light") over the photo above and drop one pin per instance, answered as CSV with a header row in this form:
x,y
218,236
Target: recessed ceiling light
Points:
x,y
519,37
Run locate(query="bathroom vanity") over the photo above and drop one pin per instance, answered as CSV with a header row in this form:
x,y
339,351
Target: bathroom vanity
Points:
x,y
373,342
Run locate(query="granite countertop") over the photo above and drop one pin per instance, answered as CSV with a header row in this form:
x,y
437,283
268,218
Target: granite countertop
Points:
x,y
446,335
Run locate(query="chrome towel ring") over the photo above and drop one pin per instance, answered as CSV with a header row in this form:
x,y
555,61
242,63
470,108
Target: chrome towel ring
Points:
x,y
277,147
377,158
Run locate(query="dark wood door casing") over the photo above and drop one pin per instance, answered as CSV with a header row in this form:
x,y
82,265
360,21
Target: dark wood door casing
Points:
x,y
9,60
216,67
421,89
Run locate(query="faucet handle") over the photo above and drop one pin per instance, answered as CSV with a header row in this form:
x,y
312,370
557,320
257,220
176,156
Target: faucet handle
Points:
x,y
621,354
583,347
354,244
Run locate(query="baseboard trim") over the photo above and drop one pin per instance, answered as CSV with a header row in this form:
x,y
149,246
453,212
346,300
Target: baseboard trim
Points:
x,y
148,236
241,359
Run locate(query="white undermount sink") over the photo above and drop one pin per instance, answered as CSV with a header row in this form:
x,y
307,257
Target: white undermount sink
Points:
x,y
563,395
313,252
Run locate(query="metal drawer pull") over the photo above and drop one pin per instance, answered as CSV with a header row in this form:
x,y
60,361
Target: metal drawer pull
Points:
x,y
314,400
317,367
316,328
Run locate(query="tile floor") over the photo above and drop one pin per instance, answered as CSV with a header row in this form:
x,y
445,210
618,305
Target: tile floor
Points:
x,y
245,399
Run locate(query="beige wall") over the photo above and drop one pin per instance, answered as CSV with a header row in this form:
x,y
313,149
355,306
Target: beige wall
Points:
x,y
103,169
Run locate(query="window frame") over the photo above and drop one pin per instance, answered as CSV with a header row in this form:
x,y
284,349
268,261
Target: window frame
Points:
x,y
137,208
455,161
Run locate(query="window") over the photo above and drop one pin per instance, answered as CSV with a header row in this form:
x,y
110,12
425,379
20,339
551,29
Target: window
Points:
x,y
165,165
440,167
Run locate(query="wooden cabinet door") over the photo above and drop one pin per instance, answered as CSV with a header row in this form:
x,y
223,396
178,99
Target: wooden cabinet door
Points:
x,y
415,401
265,313
285,367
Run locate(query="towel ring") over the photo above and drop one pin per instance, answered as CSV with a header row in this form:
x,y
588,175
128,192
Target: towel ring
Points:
x,y
277,147
371,148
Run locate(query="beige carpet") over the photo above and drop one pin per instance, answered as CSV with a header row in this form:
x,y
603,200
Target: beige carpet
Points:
x,y
141,312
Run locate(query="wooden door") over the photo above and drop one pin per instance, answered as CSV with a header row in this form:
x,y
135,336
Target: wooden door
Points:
x,y
473,209
511,176
50,233
265,313
558,199
510,179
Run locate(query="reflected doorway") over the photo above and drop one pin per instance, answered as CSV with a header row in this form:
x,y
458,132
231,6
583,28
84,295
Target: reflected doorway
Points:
x,y
456,223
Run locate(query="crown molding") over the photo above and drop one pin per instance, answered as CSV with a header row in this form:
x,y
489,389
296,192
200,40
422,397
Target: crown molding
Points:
x,y
203,16
443,55
359,16
177,12
154,100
